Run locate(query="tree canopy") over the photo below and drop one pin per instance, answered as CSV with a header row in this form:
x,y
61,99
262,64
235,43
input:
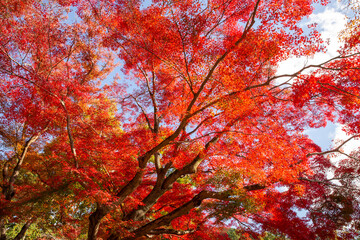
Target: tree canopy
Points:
x,y
163,119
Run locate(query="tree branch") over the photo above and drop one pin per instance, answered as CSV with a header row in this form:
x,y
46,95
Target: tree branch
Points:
x,y
337,149
21,234
184,209
163,185
69,132
8,189
170,231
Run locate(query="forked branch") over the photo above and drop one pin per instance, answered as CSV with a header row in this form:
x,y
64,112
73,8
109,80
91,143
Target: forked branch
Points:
x,y
336,150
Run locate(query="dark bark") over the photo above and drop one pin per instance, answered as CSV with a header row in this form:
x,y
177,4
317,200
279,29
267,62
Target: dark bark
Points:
x,y
254,187
113,237
94,221
163,185
21,234
170,231
180,211
2,229
130,186
143,160
151,199
153,228
9,181
134,182
8,189
69,132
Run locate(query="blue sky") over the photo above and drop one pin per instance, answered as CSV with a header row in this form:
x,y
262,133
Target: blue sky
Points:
x,y
330,19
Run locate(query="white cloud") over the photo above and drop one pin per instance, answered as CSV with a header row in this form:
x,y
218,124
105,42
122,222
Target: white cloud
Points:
x,y
330,22
340,137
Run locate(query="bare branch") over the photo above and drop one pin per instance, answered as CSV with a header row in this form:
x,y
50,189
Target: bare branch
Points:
x,y
321,65
337,149
248,26
143,111
8,189
71,139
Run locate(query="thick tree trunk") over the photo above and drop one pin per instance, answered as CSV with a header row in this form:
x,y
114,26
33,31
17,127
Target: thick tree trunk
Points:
x,y
2,229
94,221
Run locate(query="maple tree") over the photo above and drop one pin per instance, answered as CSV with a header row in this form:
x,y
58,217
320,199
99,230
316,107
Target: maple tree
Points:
x,y
199,133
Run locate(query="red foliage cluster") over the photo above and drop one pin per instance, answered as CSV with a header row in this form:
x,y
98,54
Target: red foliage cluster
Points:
x,y
198,135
